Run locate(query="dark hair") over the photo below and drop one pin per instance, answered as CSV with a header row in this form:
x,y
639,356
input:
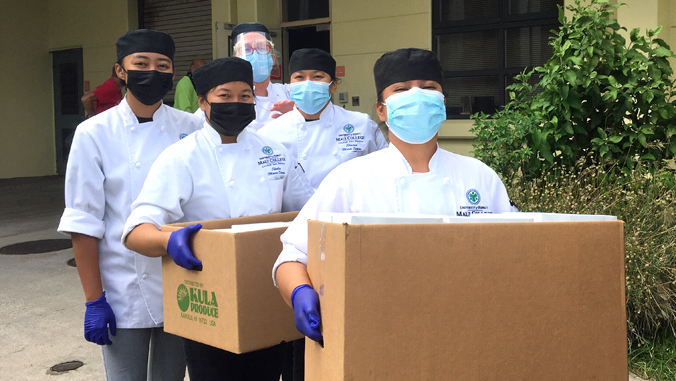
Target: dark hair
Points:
x,y
380,97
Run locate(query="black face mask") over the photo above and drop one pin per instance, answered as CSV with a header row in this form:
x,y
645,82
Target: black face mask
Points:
x,y
230,118
149,86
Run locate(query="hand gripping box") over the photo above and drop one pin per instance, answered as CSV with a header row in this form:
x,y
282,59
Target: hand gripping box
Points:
x,y
232,303
481,301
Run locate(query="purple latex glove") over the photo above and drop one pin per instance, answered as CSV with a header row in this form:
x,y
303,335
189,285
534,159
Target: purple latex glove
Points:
x,y
98,317
305,303
179,248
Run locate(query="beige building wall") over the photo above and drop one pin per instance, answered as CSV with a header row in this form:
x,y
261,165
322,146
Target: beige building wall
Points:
x,y
93,26
29,31
26,116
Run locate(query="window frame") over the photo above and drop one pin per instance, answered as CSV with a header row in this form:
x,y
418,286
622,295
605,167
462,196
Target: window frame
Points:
x,y
500,22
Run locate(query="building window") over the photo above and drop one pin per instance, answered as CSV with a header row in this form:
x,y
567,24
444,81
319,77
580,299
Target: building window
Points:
x,y
483,44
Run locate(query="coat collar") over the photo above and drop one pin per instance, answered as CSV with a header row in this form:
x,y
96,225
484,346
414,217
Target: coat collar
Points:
x,y
399,161
325,118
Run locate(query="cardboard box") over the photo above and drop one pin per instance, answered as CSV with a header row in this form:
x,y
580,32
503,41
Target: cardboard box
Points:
x,y
495,301
232,303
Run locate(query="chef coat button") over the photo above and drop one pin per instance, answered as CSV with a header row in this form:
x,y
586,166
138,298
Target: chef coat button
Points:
x,y
248,148
133,129
220,149
144,276
163,128
304,156
402,181
232,183
335,153
138,164
262,180
446,180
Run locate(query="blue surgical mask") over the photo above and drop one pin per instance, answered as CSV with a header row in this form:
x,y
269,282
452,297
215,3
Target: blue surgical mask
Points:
x,y
414,116
310,96
261,64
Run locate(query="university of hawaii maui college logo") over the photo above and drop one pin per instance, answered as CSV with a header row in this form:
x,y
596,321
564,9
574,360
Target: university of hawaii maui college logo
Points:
x,y
348,128
183,297
267,150
473,196
181,136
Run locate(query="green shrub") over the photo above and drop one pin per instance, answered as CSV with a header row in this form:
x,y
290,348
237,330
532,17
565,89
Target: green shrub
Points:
x,y
597,98
647,204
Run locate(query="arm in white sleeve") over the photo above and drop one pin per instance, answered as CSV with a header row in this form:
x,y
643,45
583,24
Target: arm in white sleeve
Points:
x,y
168,186
84,193
331,196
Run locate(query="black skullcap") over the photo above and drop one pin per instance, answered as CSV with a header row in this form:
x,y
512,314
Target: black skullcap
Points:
x,y
220,71
405,65
248,27
145,40
312,59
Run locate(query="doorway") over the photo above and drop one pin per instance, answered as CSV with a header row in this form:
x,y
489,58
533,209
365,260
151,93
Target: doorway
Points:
x,y
313,36
68,109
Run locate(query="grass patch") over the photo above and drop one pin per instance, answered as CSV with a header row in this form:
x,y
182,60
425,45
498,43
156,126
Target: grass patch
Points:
x,y
655,358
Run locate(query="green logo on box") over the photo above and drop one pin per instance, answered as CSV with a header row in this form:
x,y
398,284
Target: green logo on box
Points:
x,y
183,297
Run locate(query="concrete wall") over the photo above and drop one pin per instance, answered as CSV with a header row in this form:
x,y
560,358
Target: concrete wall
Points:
x,y
26,116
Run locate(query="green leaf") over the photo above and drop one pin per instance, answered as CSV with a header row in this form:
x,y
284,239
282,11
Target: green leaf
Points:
x,y
613,81
569,128
663,52
633,35
642,140
615,139
555,121
570,77
648,156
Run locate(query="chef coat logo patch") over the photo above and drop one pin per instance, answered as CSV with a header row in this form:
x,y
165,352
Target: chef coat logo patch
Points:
x,y
267,150
182,136
473,196
350,141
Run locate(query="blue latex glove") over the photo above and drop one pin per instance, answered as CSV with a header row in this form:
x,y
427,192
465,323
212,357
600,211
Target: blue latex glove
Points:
x,y
98,317
179,249
305,302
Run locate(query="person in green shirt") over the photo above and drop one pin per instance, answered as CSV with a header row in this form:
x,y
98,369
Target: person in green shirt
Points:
x,y
185,97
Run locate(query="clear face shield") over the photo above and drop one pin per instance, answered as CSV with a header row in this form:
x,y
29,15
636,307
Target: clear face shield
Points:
x,y
258,49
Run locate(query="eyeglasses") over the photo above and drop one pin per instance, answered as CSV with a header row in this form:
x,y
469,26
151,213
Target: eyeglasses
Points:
x,y
249,49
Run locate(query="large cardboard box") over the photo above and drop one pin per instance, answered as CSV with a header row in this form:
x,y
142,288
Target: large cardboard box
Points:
x,y
493,301
232,303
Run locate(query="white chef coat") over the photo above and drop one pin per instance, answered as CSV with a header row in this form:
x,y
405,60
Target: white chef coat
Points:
x,y
109,161
321,145
200,114
199,178
383,182
276,92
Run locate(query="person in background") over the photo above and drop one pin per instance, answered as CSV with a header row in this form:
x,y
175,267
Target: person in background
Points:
x,y
110,158
252,42
413,175
320,134
185,97
218,172
104,96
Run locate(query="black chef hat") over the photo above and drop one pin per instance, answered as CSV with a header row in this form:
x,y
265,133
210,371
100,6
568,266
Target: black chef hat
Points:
x,y
249,27
145,40
312,59
405,65
220,71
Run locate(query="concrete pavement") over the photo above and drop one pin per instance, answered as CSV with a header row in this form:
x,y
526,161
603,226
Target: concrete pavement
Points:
x,y
41,299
